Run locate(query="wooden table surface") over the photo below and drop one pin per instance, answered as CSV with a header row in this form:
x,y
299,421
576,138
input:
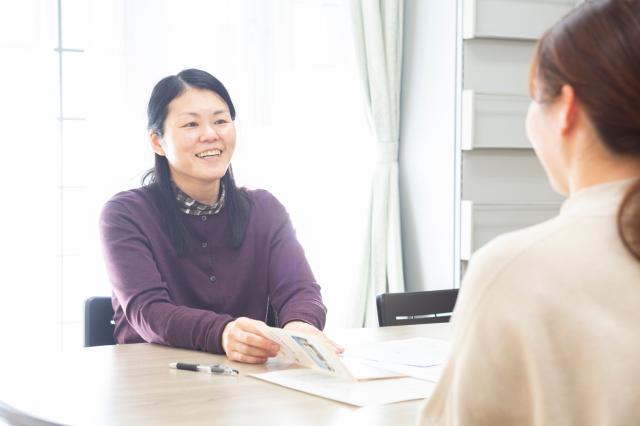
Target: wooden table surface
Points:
x,y
133,385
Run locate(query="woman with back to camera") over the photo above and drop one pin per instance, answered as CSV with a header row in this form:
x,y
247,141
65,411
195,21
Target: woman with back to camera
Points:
x,y
195,261
547,327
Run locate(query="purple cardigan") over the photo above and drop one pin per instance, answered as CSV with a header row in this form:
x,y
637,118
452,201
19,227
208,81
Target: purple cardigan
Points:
x,y
186,301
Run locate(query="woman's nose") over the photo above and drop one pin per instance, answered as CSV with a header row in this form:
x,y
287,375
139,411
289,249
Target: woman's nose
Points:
x,y
209,133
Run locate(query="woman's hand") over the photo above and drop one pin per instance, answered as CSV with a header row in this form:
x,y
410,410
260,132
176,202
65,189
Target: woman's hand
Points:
x,y
242,341
303,327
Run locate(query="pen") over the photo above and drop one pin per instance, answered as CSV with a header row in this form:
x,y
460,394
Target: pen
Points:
x,y
208,368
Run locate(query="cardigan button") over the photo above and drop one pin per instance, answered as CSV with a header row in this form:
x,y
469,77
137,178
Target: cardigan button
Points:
x,y
212,278
203,218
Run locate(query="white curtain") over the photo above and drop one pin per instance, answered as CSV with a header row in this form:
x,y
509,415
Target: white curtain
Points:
x,y
378,41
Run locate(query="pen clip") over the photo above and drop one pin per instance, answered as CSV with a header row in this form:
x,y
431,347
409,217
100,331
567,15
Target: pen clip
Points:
x,y
222,369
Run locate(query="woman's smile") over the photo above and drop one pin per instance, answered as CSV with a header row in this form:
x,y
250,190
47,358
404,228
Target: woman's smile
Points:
x,y
211,153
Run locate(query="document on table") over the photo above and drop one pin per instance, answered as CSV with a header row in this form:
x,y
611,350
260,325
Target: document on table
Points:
x,y
420,357
431,373
311,352
416,352
325,374
358,393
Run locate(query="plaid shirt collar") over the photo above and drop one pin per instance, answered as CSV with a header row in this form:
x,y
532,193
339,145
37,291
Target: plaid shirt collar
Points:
x,y
193,207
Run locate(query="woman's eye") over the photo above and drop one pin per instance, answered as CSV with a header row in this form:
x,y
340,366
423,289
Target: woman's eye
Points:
x,y
191,124
221,121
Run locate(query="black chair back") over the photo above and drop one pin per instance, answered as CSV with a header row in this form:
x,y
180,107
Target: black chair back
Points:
x,y
98,322
420,307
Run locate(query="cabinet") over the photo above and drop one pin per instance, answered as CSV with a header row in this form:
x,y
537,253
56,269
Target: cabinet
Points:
x,y
493,121
502,185
467,170
527,19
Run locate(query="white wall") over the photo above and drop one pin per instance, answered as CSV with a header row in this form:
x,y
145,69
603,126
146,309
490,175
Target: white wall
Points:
x,y
427,144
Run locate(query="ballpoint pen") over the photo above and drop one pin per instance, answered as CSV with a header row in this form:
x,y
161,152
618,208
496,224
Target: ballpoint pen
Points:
x,y
208,368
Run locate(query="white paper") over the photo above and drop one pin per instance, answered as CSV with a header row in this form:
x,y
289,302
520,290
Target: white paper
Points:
x,y
431,373
311,352
416,352
358,393
363,370
346,379
307,351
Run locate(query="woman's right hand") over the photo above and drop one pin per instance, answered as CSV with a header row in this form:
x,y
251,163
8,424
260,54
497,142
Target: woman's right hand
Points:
x,y
242,341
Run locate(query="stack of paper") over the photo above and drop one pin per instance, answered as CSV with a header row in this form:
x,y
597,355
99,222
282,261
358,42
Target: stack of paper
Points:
x,y
420,357
359,378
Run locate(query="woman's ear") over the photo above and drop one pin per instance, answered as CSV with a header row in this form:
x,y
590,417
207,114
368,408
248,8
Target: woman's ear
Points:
x,y
156,142
568,109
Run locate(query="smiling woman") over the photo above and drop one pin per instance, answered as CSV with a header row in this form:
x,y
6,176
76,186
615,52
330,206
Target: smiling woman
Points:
x,y
195,261
198,142
190,114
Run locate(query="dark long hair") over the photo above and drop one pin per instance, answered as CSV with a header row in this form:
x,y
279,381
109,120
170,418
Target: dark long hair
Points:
x,y
158,178
596,50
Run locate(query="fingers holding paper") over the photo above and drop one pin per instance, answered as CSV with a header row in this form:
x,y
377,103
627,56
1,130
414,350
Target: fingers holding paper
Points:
x,y
243,342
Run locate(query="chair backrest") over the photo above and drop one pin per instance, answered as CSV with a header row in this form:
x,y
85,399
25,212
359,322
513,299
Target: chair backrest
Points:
x,y
98,322
420,307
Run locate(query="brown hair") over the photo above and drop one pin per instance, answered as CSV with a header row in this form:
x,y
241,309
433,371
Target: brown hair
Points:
x,y
596,50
